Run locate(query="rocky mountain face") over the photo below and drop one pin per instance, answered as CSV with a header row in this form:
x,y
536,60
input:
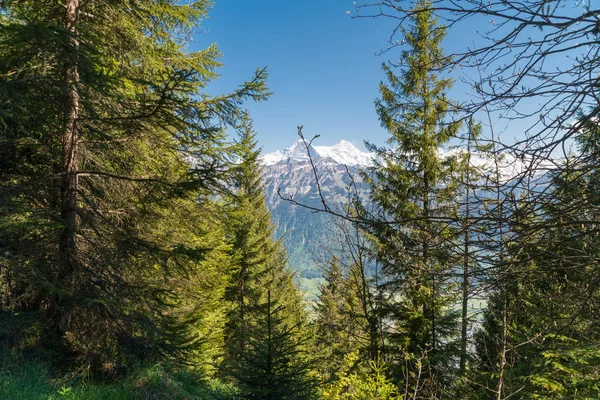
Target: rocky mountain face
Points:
x,y
310,238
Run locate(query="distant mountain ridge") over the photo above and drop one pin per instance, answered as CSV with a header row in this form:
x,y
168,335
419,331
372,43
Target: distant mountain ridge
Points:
x,y
308,237
344,153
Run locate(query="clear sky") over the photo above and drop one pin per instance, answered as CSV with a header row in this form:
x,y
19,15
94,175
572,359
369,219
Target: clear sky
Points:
x,y
322,67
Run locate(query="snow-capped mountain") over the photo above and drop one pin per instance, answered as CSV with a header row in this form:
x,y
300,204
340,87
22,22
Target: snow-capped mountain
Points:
x,y
308,237
344,153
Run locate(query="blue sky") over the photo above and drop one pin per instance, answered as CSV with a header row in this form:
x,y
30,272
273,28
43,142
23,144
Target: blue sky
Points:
x,y
322,67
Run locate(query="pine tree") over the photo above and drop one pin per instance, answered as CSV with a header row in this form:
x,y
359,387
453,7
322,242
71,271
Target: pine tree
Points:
x,y
254,252
545,312
413,190
102,111
332,322
275,364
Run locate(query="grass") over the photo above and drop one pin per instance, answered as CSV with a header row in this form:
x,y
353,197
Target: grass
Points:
x,y
25,374
31,380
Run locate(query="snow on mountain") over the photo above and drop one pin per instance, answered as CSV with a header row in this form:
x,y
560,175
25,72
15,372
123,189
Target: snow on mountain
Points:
x,y
311,239
345,153
342,153
510,166
272,158
297,152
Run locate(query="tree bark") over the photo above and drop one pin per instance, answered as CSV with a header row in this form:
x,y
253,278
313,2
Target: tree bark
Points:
x,y
70,137
465,282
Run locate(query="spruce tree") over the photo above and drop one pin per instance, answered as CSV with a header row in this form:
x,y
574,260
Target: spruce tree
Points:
x,y
545,313
412,188
275,364
254,252
102,113
332,323
366,381
266,336
347,315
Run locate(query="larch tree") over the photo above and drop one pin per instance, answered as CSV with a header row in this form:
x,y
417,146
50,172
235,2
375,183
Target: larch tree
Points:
x,y
106,138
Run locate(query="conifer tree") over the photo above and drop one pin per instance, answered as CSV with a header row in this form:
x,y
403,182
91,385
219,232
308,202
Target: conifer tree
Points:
x,y
266,329
275,364
348,316
332,322
102,111
361,382
545,311
413,190
255,252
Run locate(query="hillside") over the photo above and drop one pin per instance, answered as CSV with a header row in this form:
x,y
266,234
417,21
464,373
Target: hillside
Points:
x,y
310,237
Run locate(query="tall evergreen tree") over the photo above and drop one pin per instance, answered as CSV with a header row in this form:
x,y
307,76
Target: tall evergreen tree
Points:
x,y
541,330
266,330
101,111
412,187
254,252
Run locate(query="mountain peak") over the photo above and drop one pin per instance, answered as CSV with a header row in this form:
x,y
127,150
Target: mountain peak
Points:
x,y
298,152
343,152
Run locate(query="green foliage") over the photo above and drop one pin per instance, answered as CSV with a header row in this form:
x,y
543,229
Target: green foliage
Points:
x,y
360,382
254,253
347,315
414,191
550,293
133,232
332,323
111,154
275,363
31,381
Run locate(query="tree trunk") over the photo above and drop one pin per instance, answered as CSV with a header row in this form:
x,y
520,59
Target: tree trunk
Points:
x,y
429,265
67,245
69,184
465,282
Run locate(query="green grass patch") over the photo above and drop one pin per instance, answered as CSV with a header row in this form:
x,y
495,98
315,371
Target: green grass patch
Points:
x,y
32,380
